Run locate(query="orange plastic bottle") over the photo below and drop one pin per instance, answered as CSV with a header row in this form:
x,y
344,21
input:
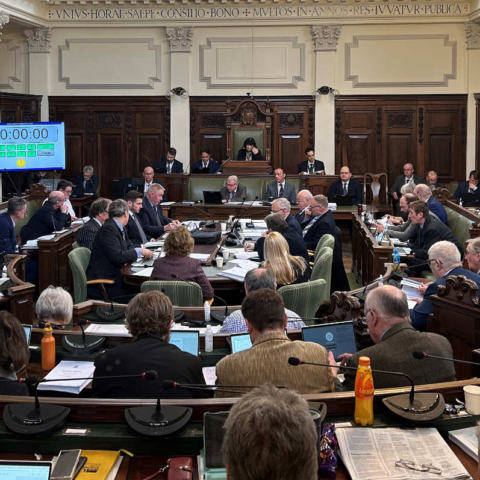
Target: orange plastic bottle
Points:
x,y
48,348
364,393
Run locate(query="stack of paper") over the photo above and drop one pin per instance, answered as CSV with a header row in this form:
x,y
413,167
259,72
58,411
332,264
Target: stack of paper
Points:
x,y
30,245
466,439
332,206
154,244
65,371
145,272
107,330
203,257
80,221
245,264
235,273
246,255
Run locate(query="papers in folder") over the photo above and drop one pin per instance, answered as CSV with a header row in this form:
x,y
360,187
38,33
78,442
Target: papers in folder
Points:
x,y
235,273
246,255
66,370
466,439
146,272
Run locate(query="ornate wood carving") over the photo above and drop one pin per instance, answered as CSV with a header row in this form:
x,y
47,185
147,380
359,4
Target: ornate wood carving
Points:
x,y
109,120
460,289
379,125
400,120
167,126
90,125
193,125
311,126
338,124
463,125
290,120
128,125
344,307
212,120
441,194
9,116
420,125
28,116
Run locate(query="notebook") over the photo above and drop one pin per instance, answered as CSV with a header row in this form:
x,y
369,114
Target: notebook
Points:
x,y
338,337
186,341
19,469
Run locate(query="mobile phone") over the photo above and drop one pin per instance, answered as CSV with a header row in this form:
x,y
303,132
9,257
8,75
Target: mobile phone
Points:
x,y
66,464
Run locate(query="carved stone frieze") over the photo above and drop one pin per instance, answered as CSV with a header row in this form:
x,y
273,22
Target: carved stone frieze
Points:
x,y
109,120
39,40
213,120
4,19
472,32
289,120
400,120
180,38
325,37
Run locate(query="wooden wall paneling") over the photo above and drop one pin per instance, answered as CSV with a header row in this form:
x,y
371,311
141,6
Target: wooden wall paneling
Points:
x,y
477,131
20,108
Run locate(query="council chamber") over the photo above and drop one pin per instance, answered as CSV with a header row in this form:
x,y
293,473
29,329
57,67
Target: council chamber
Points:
x,y
255,198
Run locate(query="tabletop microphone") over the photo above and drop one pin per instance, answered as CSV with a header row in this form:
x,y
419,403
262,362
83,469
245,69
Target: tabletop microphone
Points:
x,y
85,344
421,355
418,407
208,223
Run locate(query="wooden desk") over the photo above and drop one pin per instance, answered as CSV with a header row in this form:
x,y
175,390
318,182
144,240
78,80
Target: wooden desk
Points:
x,y
79,202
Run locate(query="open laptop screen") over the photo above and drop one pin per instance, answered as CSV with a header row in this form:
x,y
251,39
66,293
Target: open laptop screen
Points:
x,y
28,332
19,470
338,337
240,342
186,341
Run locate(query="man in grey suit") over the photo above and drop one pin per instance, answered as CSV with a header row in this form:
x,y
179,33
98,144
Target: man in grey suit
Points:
x,y
233,191
387,317
280,188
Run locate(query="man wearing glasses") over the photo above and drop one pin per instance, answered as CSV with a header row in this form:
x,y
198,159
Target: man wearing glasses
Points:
x,y
233,191
445,260
282,206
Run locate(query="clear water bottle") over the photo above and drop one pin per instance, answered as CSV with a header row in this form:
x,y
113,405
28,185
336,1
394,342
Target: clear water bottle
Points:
x,y
396,260
206,309
209,339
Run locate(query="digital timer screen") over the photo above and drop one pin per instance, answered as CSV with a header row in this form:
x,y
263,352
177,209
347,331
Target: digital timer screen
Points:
x,y
32,146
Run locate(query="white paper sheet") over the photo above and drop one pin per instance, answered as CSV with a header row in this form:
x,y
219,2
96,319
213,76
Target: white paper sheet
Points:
x,y
65,371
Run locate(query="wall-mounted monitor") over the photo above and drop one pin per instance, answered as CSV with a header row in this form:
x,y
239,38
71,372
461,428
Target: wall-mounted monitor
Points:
x,y
32,146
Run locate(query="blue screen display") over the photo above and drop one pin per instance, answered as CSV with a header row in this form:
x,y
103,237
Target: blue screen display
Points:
x,y
335,337
185,341
240,342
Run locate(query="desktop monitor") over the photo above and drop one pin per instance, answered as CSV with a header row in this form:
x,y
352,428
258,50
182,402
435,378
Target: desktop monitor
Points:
x,y
18,469
186,341
32,146
240,342
338,337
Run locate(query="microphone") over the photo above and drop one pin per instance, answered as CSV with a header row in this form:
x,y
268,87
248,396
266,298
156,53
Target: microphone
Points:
x,y
23,419
420,407
421,355
170,385
208,223
224,163
232,234
85,345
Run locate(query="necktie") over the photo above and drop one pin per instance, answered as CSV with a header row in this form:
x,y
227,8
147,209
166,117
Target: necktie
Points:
x,y
311,168
408,181
205,165
280,192
157,212
123,235
345,190
305,230
230,196
169,167
140,229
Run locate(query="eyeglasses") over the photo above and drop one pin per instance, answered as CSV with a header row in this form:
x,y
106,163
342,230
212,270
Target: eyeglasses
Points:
x,y
432,261
276,211
425,467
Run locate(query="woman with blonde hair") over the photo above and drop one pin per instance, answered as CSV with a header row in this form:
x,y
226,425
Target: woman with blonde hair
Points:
x,y
177,265
288,269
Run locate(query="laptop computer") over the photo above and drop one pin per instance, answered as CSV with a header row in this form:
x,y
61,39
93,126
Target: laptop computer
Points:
x,y
337,337
470,199
240,341
212,197
28,333
186,341
343,201
160,169
201,170
50,183
22,469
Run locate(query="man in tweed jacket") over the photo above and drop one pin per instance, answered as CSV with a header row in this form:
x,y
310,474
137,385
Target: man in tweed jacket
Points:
x,y
267,360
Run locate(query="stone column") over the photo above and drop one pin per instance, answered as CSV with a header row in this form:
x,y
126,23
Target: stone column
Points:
x,y
472,32
39,45
325,39
180,40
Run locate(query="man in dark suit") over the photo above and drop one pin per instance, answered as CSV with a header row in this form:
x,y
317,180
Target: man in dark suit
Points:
x,y
86,182
424,194
310,165
323,223
206,162
283,207
111,250
432,180
408,177
51,216
98,215
153,221
445,261
233,191
134,226
346,186
469,186
276,223
149,319
16,210
427,232
304,214
169,164
148,174
280,188
386,313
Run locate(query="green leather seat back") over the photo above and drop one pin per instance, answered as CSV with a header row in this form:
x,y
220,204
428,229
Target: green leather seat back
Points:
x,y
32,208
181,294
305,298
451,187
322,267
79,260
239,136
197,185
459,225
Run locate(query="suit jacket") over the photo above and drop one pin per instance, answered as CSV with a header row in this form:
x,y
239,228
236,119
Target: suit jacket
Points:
x,y
242,154
133,232
354,190
300,218
295,243
153,226
463,188
400,182
91,186
212,166
187,269
437,208
86,236
159,183
44,221
238,195
433,231
394,353
271,351
419,314
293,224
8,238
317,166
147,352
288,192
177,166
109,253
326,224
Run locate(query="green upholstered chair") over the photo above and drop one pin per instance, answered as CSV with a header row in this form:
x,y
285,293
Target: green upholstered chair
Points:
x,y
75,245
305,298
32,208
181,294
197,185
326,241
451,187
240,135
322,268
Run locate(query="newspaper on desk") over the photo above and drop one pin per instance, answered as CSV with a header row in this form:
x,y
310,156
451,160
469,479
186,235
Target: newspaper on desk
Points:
x,y
371,453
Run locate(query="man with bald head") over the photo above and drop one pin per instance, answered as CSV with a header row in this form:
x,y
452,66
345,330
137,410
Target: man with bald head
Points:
x,y
304,214
280,188
424,194
407,177
387,317
148,174
51,216
346,186
282,206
